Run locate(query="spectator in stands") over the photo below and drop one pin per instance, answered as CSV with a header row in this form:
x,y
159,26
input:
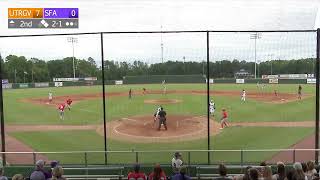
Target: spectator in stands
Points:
x,y
311,169
2,177
245,176
304,167
267,173
136,174
222,173
157,174
57,173
176,162
253,174
18,177
40,173
290,174
281,172
182,174
262,169
299,175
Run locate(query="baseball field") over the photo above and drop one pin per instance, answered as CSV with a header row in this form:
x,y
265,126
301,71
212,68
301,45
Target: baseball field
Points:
x,y
263,121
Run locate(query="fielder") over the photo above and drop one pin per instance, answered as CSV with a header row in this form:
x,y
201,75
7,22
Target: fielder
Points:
x,y
299,92
130,93
164,86
224,120
243,95
69,102
50,97
61,108
212,107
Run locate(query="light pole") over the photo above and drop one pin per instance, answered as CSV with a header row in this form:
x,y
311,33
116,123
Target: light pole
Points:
x,y
184,64
271,57
161,44
255,36
73,40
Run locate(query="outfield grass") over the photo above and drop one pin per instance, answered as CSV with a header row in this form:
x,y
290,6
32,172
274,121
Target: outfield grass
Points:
x,y
232,138
90,111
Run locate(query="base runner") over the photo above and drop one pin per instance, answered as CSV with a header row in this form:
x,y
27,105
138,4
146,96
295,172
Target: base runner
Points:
x,y
69,102
61,108
224,119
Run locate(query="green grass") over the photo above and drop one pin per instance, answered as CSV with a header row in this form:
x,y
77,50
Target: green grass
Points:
x,y
232,138
90,111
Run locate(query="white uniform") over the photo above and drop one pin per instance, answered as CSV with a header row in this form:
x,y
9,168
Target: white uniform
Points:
x,y
243,96
164,86
50,96
157,113
176,163
212,107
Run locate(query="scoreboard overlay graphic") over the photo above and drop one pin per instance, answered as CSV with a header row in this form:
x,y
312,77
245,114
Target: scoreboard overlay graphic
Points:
x,y
43,18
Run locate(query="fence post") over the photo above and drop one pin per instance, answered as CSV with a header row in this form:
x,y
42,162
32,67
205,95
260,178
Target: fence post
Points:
x,y
137,157
34,157
317,98
189,156
241,158
208,98
294,156
85,159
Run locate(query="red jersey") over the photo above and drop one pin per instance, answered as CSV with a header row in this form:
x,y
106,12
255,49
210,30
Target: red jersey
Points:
x,y
135,176
224,114
162,176
69,101
61,107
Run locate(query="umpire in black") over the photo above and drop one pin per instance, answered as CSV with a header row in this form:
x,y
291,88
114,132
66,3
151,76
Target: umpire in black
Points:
x,y
162,119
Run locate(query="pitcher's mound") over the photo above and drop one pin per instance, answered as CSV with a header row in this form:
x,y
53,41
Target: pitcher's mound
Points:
x,y
162,101
143,129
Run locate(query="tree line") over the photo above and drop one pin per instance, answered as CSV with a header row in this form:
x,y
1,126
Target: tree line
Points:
x,y
20,69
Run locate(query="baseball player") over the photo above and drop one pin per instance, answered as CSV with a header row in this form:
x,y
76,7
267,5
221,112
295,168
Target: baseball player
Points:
x,y
61,108
243,95
176,162
299,92
164,86
130,93
224,119
144,91
69,102
212,107
156,114
275,93
50,97
162,119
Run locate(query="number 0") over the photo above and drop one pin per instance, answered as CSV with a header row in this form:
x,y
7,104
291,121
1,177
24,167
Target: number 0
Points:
x,y
73,13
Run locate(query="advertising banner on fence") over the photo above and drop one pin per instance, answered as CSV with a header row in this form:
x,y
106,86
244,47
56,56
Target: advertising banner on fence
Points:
x,y
273,81
210,81
240,81
38,85
311,81
90,79
58,84
23,85
293,76
7,86
269,76
5,81
65,79
118,82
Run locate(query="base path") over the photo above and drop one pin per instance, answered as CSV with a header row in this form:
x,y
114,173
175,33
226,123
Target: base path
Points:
x,y
258,96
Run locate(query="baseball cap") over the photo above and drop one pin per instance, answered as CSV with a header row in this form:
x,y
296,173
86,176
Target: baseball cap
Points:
x,y
176,154
40,163
54,163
